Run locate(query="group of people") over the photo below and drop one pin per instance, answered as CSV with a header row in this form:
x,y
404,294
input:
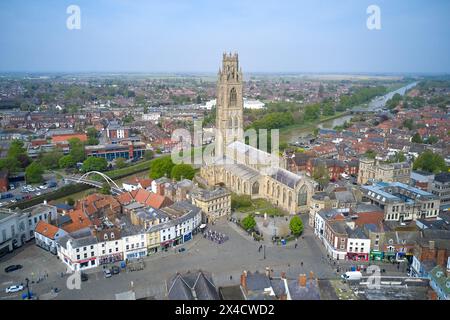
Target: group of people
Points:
x,y
215,236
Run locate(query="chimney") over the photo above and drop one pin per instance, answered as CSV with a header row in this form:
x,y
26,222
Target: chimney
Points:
x,y
311,275
431,244
244,280
302,280
283,275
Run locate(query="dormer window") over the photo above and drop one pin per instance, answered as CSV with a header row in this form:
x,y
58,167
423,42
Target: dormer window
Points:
x,y
105,237
112,235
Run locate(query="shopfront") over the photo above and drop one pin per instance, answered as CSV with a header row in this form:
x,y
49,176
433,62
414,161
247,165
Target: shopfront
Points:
x,y
376,255
166,245
111,258
187,237
136,254
357,256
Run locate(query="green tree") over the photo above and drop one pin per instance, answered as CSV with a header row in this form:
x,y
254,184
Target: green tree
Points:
x,y
398,157
320,174
242,201
248,223
77,150
10,164
180,171
66,162
92,134
408,123
149,154
416,138
105,189
432,140
50,160
121,163
296,225
371,154
16,148
34,172
430,162
161,167
94,164
70,202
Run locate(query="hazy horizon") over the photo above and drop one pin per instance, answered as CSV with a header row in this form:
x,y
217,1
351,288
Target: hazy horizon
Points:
x,y
183,37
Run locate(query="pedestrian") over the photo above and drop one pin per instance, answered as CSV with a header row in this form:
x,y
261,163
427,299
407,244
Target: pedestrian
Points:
x,y
295,246
231,277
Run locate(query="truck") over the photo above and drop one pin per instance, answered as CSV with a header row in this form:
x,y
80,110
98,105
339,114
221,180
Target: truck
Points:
x,y
352,275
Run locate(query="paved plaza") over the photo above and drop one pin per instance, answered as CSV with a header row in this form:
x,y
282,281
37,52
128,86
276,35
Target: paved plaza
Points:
x,y
230,258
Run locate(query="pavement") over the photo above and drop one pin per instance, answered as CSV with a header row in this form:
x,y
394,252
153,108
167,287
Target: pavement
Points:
x,y
239,253
230,258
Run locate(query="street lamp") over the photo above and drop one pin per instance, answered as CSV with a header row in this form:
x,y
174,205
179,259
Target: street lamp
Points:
x,y
264,250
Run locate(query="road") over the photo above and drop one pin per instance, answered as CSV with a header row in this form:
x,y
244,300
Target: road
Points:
x,y
222,260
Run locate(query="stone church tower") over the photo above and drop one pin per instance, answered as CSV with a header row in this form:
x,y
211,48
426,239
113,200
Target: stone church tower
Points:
x,y
230,104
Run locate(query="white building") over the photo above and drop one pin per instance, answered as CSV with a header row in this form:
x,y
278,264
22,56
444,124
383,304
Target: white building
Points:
x,y
248,104
17,226
46,235
78,250
151,116
135,245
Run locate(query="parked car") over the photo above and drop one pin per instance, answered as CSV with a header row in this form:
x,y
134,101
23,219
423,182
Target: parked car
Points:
x,y
84,277
182,250
38,193
13,268
115,270
11,187
107,273
15,288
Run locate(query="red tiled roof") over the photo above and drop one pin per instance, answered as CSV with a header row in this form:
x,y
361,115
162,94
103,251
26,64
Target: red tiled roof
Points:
x,y
46,229
125,198
157,201
79,221
142,196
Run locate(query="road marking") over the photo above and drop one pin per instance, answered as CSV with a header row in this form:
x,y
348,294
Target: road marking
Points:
x,y
7,282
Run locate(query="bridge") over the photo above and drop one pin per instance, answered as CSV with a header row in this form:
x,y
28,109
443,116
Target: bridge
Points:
x,y
115,189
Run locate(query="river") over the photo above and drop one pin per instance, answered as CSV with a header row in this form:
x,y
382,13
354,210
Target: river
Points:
x,y
375,104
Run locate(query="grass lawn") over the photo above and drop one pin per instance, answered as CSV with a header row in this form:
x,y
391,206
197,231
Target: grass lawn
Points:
x,y
262,206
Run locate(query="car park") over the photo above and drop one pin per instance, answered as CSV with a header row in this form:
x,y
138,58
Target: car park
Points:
x,y
14,289
13,268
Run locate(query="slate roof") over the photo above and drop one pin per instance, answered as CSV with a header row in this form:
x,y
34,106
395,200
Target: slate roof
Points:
x,y
286,177
192,286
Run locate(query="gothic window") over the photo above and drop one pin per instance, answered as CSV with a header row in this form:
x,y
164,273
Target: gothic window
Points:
x,y
302,196
233,97
255,188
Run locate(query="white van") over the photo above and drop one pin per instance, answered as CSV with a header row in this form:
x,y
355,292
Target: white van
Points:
x,y
351,275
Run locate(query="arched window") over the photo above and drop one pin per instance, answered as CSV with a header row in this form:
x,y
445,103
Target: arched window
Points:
x,y
302,196
233,97
255,188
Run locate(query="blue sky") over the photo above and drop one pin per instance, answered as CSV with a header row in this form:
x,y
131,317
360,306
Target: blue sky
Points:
x,y
190,36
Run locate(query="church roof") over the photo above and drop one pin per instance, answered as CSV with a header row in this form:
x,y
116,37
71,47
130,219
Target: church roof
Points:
x,y
286,177
255,156
242,171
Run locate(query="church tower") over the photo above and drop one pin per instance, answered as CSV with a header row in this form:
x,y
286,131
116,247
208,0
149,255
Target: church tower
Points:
x,y
230,103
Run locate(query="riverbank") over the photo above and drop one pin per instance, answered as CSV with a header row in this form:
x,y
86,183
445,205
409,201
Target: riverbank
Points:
x,y
290,133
